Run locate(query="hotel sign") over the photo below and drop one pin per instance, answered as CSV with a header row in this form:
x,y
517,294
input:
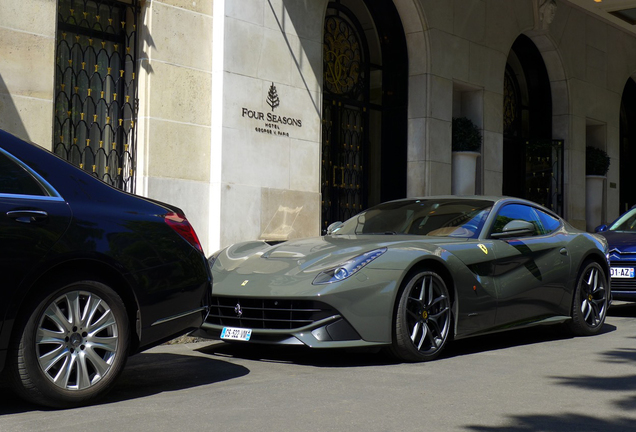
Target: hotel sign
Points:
x,y
269,122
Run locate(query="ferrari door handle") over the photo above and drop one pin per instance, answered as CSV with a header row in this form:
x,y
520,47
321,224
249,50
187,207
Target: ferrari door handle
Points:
x,y
27,216
563,251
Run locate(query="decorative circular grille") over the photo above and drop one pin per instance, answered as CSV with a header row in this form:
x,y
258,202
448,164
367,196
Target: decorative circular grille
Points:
x,y
342,58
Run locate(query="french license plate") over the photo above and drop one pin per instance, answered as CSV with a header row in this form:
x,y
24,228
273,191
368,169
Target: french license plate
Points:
x,y
622,272
234,333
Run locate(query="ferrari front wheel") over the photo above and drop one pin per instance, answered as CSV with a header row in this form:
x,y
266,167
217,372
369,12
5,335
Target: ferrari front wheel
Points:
x,y
422,319
590,302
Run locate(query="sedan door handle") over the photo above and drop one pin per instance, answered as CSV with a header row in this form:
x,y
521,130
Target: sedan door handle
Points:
x,y
27,216
563,251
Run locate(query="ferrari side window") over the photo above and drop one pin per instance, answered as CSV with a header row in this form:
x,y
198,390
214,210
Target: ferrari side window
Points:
x,y
15,180
549,222
517,212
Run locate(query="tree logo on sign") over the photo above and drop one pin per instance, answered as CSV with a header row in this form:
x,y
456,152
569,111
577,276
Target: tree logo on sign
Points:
x,y
272,97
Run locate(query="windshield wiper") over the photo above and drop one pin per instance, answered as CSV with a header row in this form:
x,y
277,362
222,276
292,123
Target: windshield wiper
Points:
x,y
379,233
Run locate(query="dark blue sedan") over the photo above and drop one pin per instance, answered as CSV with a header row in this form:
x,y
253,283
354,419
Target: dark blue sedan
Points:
x,y
90,275
621,236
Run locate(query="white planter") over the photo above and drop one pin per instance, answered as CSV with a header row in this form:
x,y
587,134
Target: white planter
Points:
x,y
463,172
593,201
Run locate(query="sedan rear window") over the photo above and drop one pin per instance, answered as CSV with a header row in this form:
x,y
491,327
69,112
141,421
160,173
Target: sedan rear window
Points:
x,y
15,180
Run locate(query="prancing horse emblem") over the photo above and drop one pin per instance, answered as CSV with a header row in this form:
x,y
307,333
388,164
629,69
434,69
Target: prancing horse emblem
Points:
x,y
483,248
238,311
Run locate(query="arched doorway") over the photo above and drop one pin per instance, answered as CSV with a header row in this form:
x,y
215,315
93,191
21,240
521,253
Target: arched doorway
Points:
x,y
364,115
532,160
628,146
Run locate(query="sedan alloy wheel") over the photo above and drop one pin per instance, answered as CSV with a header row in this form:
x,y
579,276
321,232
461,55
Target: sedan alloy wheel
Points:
x,y
73,346
76,340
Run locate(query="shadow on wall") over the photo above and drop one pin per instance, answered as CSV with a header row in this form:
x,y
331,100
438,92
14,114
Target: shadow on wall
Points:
x,y
297,18
10,119
147,42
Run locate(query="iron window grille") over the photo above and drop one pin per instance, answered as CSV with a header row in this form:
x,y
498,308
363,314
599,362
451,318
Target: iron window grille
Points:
x,y
96,88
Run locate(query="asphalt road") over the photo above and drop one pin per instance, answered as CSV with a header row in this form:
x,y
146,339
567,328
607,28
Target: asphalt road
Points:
x,y
530,380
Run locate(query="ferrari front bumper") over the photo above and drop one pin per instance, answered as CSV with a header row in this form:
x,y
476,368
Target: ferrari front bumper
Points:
x,y
330,332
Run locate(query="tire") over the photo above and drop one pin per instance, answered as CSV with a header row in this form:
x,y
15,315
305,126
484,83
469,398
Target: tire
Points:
x,y
423,318
70,346
590,300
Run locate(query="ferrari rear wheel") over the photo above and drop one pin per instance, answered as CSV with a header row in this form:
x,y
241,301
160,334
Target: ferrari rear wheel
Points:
x,y
423,318
73,345
589,306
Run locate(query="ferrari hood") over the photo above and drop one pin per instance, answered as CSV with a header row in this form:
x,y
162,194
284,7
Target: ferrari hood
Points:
x,y
315,254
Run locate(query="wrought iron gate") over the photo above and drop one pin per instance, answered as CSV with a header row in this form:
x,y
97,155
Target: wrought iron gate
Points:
x,y
544,173
533,168
345,116
96,88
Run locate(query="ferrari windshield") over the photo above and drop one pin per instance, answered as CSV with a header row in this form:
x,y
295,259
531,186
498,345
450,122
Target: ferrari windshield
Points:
x,y
438,217
626,222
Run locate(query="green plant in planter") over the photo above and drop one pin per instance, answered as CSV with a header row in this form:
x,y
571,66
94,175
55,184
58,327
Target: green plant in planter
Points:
x,y
466,136
597,162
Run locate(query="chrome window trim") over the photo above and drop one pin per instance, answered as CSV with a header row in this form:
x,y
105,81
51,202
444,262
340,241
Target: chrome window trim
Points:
x,y
181,315
33,197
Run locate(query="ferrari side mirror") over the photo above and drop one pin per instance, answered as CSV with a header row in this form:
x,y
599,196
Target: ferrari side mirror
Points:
x,y
516,228
333,227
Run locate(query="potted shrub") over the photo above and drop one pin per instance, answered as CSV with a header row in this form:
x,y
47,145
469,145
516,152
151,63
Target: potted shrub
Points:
x,y
466,135
466,146
597,164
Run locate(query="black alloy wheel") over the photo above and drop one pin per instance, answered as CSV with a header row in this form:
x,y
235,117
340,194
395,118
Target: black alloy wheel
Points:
x,y
423,318
590,302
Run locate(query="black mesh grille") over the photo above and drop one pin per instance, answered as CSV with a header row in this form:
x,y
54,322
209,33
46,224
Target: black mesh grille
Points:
x,y
266,313
620,284
623,284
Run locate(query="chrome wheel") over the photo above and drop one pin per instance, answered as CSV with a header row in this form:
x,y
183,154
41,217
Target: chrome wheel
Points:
x,y
590,300
76,340
423,318
72,344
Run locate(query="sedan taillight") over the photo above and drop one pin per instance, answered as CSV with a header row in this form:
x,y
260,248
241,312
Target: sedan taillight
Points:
x,y
180,224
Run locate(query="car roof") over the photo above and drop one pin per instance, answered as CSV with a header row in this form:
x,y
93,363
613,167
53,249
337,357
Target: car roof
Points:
x,y
73,183
497,201
491,198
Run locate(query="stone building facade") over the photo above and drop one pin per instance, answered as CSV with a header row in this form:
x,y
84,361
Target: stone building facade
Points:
x,y
272,118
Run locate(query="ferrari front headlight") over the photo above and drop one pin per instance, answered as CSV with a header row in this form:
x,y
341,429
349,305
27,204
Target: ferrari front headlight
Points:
x,y
348,268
